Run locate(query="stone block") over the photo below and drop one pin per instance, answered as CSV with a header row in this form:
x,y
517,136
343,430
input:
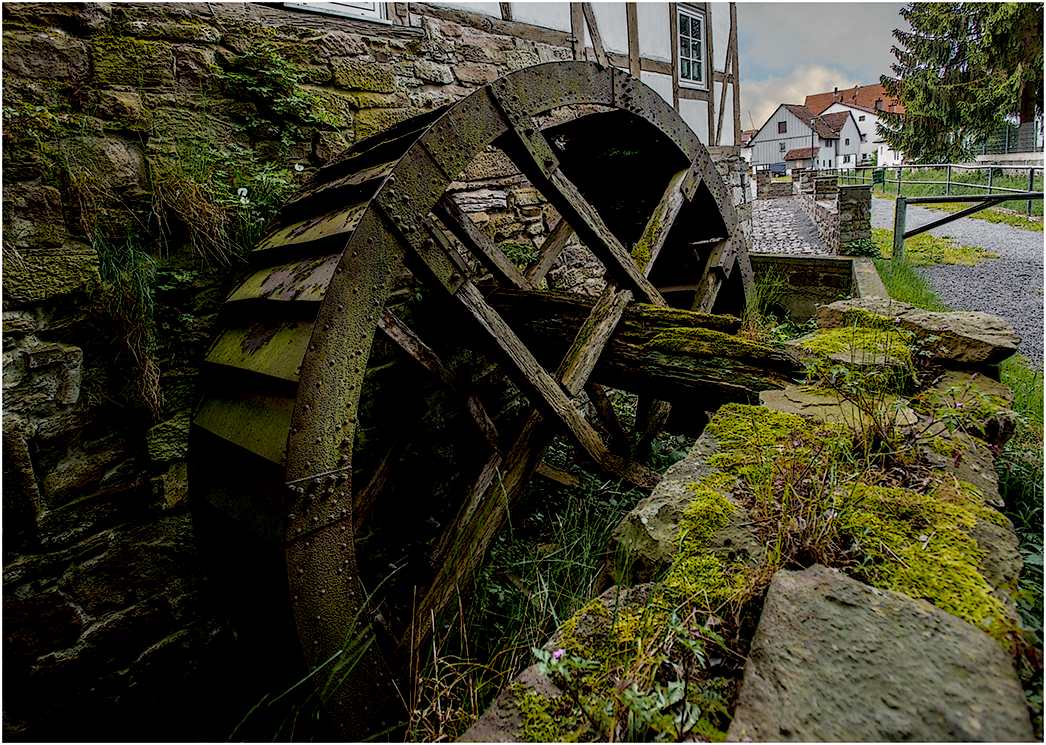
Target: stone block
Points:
x,y
526,197
106,162
124,107
38,275
370,121
959,336
834,660
476,73
328,144
333,106
134,62
21,496
37,625
198,32
339,44
137,565
45,55
80,470
169,440
193,69
33,216
517,59
106,647
432,72
354,75
647,539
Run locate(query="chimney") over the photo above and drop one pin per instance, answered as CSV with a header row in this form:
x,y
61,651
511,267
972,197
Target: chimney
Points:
x,y
835,94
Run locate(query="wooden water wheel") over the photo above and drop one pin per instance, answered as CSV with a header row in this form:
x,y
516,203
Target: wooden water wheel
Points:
x,y
386,381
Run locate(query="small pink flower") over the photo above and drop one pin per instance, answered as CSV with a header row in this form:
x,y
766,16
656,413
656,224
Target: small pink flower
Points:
x,y
557,654
958,404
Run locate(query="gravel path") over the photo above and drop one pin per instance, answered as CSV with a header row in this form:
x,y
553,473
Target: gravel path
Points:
x,y
1009,287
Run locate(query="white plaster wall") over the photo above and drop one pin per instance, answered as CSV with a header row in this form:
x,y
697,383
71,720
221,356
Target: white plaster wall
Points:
x,y
727,135
546,15
720,26
613,26
695,114
662,84
655,33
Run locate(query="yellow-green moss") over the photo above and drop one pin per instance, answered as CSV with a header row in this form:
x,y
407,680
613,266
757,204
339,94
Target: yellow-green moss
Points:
x,y
536,713
920,545
641,255
888,341
736,426
715,343
866,319
666,316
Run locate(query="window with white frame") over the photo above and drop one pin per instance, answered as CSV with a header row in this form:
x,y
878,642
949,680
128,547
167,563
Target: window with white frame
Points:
x,y
860,118
370,11
691,69
782,146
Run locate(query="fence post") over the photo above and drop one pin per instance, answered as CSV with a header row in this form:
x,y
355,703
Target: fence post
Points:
x,y
991,177
1031,187
948,182
898,228
900,172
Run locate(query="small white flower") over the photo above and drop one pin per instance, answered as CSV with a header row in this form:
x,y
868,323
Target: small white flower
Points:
x,y
242,191
299,167
244,200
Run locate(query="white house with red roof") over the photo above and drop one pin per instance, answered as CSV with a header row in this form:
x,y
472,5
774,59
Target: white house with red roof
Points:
x,y
871,143
795,136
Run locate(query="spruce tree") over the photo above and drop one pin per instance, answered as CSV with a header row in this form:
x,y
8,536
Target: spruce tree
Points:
x,y
963,70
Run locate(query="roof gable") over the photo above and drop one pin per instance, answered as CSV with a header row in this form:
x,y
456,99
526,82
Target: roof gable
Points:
x,y
837,120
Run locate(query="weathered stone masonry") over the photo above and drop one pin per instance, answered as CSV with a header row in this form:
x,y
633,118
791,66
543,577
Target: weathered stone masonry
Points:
x,y
107,628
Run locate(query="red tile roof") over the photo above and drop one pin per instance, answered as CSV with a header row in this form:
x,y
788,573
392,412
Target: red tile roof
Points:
x,y
748,134
837,120
801,153
820,126
862,95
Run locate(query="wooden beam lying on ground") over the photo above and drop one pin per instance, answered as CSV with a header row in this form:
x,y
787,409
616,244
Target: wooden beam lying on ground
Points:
x,y
666,353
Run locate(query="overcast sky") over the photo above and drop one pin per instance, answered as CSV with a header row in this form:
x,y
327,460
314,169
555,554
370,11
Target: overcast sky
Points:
x,y
791,50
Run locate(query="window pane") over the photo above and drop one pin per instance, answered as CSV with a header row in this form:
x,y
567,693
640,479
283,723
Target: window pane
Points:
x,y
697,71
684,70
695,27
684,47
697,49
684,25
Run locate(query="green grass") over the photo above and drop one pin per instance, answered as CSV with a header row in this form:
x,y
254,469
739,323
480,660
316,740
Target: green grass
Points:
x,y
926,249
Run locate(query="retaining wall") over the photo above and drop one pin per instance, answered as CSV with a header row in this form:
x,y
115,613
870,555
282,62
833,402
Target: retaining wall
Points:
x,y
842,215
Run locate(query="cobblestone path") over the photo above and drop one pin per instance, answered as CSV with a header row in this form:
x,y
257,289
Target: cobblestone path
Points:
x,y
781,226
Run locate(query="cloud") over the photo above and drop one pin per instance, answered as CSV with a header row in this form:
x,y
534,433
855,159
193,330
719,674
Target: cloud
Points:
x,y
855,37
762,97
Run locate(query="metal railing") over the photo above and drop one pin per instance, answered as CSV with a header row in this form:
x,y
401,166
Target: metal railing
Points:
x,y
882,176
900,213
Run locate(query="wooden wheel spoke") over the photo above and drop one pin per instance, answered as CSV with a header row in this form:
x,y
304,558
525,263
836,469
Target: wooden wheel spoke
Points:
x,y
608,417
464,545
681,187
717,270
550,251
409,342
481,246
539,164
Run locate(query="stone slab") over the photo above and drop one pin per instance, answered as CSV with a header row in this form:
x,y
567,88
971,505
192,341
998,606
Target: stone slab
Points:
x,y
834,660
